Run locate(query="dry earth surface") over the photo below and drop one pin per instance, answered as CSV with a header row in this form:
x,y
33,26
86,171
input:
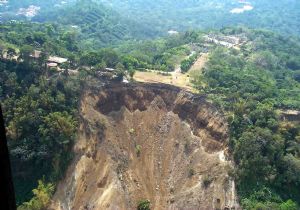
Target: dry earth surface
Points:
x,y
175,78
148,141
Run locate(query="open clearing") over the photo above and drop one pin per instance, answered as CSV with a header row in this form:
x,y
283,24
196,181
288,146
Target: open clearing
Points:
x,y
175,78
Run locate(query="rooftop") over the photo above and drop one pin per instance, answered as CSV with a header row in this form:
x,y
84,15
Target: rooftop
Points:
x,y
55,59
36,54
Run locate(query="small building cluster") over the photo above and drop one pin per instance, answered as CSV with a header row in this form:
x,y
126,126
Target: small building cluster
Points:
x,y
226,41
52,61
107,73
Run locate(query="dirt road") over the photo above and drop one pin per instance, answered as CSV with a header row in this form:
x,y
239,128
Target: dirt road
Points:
x,y
175,78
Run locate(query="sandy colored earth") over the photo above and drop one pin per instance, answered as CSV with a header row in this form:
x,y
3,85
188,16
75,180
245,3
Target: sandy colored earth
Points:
x,y
175,78
148,141
200,63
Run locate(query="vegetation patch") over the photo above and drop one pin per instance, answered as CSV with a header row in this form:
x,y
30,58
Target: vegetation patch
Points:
x,y
144,205
207,180
251,86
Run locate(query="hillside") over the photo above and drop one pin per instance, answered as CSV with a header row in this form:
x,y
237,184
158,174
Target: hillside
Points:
x,y
96,25
165,15
124,128
27,9
99,114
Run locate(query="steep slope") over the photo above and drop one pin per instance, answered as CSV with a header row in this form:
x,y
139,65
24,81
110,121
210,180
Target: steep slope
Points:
x,y
151,142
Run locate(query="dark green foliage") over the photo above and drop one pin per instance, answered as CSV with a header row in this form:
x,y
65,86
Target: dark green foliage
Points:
x,y
256,153
95,25
265,199
160,54
164,15
144,205
27,36
40,114
41,124
187,63
251,85
41,199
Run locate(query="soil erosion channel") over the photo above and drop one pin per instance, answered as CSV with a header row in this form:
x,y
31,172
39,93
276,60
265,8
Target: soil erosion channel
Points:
x,y
148,141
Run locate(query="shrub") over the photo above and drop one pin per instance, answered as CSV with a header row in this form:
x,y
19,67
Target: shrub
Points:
x,y
206,181
138,149
41,199
191,172
144,205
131,131
288,205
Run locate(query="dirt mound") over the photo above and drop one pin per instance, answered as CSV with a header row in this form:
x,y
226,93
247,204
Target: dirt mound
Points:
x,y
152,142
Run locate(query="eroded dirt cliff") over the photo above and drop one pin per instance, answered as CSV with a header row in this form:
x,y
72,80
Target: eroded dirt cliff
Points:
x,y
152,142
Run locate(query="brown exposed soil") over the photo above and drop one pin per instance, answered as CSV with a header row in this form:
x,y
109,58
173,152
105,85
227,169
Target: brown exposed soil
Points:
x,y
200,63
151,142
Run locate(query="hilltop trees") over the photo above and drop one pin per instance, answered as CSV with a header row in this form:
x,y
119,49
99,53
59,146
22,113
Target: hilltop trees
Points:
x,y
251,86
187,63
25,52
256,153
40,120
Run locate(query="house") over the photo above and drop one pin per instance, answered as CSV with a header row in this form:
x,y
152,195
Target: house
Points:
x,y
36,54
109,69
226,41
52,65
290,115
52,61
58,60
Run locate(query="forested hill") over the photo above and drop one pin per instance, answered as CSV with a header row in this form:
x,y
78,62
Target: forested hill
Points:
x,y
280,16
95,25
253,83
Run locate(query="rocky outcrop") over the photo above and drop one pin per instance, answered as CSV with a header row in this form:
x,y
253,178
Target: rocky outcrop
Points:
x,y
151,142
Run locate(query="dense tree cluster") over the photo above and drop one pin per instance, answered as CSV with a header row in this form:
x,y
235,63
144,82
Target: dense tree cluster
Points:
x,y
96,25
161,54
41,123
186,64
163,15
251,85
40,113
